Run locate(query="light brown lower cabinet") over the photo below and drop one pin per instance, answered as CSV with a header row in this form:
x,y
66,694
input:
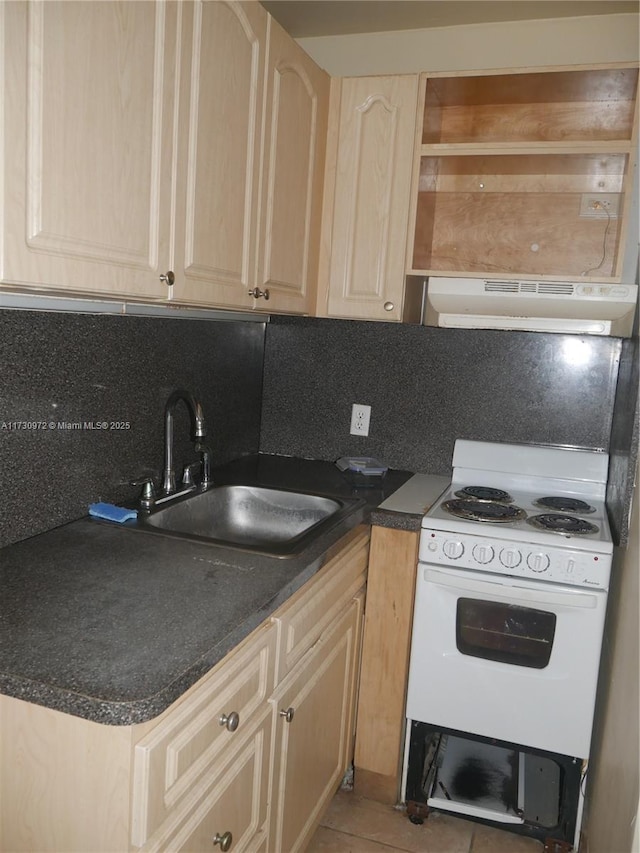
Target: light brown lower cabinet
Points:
x,y
246,760
312,743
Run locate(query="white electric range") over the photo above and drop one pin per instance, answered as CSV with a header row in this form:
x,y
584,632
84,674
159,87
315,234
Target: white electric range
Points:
x,y
523,510
514,566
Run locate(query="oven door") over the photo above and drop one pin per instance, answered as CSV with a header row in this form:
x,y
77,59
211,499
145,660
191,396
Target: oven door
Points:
x,y
506,658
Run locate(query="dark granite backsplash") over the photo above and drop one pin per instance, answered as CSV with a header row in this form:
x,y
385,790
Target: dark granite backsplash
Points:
x,y
426,386
67,369
429,386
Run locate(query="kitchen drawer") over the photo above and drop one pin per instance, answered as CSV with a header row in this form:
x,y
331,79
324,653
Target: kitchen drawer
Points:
x,y
169,760
232,799
303,619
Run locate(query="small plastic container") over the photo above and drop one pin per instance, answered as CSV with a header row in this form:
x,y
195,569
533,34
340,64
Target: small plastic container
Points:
x,y
362,471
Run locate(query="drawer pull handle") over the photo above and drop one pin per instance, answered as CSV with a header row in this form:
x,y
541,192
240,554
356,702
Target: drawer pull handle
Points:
x,y
231,722
388,306
223,840
288,714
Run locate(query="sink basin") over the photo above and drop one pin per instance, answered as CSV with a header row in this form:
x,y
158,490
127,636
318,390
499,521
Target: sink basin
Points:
x,y
255,518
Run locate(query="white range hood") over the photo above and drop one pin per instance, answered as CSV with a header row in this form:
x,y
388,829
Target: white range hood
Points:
x,y
578,307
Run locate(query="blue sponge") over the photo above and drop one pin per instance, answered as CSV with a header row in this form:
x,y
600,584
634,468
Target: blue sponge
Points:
x,y
112,512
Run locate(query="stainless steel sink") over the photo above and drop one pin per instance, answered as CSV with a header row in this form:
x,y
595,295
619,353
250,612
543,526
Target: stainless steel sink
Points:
x,y
255,518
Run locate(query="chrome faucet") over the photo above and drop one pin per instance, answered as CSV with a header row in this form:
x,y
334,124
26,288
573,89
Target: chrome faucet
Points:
x,y
199,433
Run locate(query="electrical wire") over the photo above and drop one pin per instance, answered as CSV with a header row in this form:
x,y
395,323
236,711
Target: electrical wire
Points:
x,y
600,206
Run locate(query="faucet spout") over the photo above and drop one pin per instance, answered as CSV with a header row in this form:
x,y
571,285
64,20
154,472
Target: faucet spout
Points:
x,y
199,432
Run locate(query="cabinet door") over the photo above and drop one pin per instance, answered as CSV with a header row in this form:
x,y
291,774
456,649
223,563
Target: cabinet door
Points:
x,y
219,142
372,197
312,744
234,802
297,102
86,136
184,748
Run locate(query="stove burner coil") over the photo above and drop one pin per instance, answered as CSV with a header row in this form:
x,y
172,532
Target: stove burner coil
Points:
x,y
557,523
478,510
484,493
564,504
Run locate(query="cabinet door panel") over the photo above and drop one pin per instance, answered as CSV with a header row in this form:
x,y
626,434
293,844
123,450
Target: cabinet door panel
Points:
x,y
296,126
87,115
372,196
233,798
311,751
223,56
172,758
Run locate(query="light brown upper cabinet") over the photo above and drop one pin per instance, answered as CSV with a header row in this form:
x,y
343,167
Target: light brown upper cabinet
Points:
x,y
252,105
296,113
367,197
524,173
218,158
143,138
87,135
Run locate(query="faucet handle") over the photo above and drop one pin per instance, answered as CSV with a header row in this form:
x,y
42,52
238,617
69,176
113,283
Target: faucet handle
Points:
x,y
188,473
148,496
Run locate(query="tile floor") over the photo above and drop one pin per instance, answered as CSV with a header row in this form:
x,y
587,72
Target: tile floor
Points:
x,y
355,825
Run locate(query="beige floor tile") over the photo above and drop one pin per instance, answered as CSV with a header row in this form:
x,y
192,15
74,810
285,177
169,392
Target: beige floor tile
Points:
x,y
373,821
331,841
486,839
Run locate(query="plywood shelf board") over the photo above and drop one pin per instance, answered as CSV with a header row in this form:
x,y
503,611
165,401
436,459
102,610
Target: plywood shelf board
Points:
x,y
560,173
521,147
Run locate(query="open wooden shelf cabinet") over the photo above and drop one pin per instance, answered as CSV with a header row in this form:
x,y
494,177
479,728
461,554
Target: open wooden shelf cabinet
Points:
x,y
508,165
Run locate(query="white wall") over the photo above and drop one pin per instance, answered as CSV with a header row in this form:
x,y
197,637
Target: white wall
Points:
x,y
557,41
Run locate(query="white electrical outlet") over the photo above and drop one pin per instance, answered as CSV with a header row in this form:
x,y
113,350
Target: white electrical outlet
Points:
x,y
360,417
598,205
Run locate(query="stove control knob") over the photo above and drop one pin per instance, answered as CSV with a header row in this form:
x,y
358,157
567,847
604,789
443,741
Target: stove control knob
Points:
x,y
538,561
483,554
510,558
452,549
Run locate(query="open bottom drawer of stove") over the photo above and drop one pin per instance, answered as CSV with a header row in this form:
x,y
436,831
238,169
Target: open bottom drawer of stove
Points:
x,y
492,782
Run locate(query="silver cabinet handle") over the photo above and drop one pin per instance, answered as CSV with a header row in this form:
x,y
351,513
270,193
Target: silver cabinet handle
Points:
x,y
224,840
232,721
168,278
257,293
388,306
288,714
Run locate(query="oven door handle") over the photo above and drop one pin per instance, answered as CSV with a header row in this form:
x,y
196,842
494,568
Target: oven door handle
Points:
x,y
512,592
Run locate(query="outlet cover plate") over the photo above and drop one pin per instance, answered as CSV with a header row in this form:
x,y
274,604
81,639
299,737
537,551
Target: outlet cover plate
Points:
x,y
610,201
360,417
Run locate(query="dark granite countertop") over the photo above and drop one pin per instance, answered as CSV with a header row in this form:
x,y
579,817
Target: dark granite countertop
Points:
x,y
113,625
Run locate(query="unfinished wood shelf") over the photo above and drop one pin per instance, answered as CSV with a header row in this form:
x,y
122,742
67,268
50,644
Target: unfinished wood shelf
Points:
x,y
508,167
544,106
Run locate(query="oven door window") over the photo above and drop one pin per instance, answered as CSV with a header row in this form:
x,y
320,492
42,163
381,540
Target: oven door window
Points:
x,y
506,633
